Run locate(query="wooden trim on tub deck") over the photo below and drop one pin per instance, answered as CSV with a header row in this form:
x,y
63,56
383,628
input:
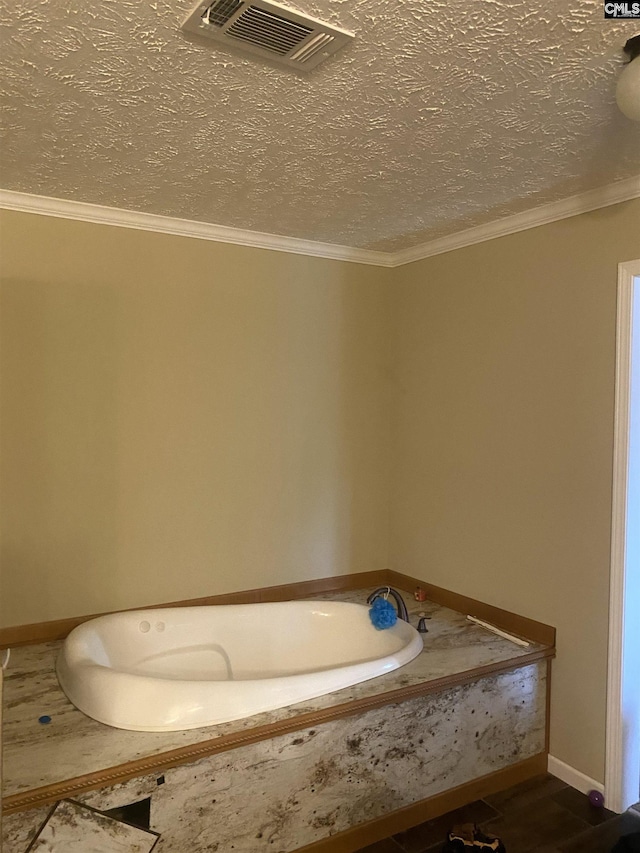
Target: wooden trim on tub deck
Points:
x,y
521,626
360,836
547,713
188,754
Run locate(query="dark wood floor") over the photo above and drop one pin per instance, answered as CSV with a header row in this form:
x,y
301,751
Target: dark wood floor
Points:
x,y
542,815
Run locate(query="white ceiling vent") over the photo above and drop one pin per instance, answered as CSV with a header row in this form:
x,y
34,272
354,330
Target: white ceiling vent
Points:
x,y
267,29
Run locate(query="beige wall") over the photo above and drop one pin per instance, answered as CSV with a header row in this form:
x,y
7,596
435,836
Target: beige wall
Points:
x,y
502,434
182,418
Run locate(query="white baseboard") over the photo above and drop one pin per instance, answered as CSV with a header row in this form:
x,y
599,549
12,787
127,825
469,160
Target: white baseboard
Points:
x,y
579,781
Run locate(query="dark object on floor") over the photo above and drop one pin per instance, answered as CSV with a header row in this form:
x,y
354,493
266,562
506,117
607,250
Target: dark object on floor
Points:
x,y
137,814
467,838
628,844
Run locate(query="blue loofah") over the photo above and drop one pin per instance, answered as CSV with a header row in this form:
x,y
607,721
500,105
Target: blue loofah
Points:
x,y
383,614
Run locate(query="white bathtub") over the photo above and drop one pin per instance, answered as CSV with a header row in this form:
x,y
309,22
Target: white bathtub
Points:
x,y
178,668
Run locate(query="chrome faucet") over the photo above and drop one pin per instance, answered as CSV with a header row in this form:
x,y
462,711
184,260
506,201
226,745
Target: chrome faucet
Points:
x,y
401,607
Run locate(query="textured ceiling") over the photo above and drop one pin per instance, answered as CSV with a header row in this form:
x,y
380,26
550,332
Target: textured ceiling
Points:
x,y
440,116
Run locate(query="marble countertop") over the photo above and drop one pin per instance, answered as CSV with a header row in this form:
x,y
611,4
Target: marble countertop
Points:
x,y
72,744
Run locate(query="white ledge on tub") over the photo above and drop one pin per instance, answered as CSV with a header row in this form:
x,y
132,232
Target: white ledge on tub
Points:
x,y
178,668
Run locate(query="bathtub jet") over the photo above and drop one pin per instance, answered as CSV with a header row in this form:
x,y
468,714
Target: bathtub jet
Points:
x,y
178,668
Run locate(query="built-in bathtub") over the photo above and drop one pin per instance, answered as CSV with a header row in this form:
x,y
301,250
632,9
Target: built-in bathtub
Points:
x,y
343,770
172,669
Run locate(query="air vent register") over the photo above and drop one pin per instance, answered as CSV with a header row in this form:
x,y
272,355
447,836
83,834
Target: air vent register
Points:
x,y
268,29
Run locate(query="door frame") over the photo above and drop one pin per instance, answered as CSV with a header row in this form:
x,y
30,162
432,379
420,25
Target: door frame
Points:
x,y
622,750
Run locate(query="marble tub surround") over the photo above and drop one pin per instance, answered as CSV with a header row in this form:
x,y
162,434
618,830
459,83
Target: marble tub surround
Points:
x,y
302,787
73,746
76,828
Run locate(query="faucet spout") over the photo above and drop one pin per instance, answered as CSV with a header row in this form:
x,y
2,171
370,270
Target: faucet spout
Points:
x,y
401,607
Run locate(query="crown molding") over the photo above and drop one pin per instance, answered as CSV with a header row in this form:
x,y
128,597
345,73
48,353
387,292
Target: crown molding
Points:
x,y
99,214
541,215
